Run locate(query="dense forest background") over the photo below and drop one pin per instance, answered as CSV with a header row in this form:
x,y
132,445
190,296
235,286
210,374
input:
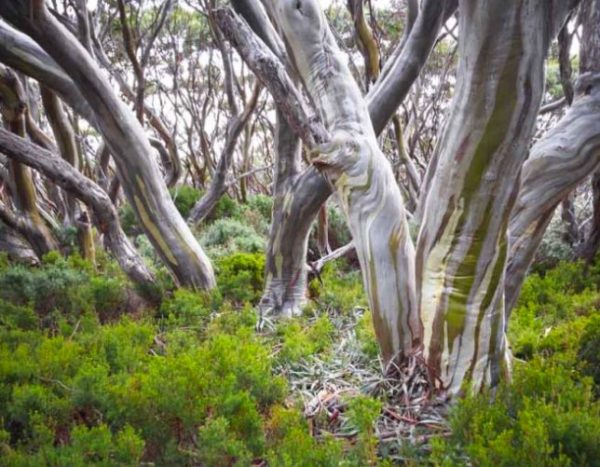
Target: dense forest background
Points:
x,y
119,344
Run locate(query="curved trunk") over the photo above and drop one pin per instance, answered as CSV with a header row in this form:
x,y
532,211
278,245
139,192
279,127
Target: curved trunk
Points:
x,y
308,195
72,181
28,221
140,175
285,287
362,177
568,153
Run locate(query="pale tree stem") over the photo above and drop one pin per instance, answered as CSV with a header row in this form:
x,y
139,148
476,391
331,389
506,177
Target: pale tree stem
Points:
x,y
141,177
462,244
362,176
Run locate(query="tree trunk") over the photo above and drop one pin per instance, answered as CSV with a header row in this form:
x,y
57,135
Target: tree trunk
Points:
x,y
65,140
71,180
462,245
591,245
307,194
140,175
28,220
558,162
363,178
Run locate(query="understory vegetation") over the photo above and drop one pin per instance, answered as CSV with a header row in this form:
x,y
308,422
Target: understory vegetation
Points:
x,y
93,374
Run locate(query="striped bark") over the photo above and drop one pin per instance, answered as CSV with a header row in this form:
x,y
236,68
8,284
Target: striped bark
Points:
x,y
561,160
361,175
306,194
462,245
28,220
75,183
139,173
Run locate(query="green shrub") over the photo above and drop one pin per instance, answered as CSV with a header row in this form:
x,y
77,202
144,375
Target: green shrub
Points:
x,y
226,236
187,308
262,204
290,443
589,351
551,310
298,342
546,417
241,277
219,446
365,333
185,197
226,207
338,289
362,413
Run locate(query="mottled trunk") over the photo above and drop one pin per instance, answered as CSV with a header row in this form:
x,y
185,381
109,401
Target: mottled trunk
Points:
x,y
461,251
285,286
72,181
28,220
140,175
558,162
65,140
307,195
362,177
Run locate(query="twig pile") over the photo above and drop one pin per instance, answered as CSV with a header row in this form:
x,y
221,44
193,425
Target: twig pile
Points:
x,y
412,411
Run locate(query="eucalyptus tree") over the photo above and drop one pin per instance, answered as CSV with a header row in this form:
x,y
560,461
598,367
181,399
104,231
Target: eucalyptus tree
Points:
x,y
445,297
141,179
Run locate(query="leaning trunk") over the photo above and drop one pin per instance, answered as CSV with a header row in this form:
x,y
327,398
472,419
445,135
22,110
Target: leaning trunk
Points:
x,y
139,173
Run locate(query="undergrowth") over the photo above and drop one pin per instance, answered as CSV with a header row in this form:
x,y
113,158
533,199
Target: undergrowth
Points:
x,y
92,374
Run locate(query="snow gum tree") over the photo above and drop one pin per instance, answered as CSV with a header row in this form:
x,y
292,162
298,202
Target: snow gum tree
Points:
x,y
444,295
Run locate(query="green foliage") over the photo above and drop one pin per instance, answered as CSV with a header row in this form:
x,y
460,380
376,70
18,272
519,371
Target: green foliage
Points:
x,y
365,333
290,443
338,289
241,276
553,309
362,413
63,289
226,236
546,417
128,220
187,308
226,207
589,350
185,197
549,414
82,382
298,342
106,394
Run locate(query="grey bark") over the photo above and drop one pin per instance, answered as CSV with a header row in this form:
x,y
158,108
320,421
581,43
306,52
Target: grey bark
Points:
x,y
142,182
71,180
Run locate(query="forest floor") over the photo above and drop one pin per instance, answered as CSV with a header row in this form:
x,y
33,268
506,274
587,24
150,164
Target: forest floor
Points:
x,y
92,375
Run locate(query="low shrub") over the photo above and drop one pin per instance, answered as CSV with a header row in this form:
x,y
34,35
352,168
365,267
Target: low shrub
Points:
x,y
227,236
240,277
547,416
